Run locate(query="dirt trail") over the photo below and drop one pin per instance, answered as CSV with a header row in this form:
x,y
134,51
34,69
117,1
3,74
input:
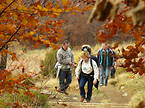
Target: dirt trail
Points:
x,y
114,95
108,97
105,97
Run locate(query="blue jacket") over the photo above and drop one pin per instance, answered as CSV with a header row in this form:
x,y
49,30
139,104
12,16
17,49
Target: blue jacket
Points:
x,y
105,57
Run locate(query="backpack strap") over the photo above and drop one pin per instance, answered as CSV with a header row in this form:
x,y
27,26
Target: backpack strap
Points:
x,y
81,65
92,73
91,62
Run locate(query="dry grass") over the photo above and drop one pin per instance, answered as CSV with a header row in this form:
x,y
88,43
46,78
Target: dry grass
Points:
x,y
31,60
134,86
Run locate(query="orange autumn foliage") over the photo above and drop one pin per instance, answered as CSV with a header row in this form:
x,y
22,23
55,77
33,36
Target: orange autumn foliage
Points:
x,y
124,17
38,24
35,23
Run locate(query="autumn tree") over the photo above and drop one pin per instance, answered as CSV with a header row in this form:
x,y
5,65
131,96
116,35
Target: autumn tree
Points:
x,y
39,24
34,21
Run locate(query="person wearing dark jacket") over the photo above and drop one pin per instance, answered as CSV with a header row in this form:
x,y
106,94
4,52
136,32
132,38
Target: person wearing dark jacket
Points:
x,y
105,62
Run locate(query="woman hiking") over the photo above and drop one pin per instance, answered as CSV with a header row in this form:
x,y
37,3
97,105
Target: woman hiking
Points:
x,y
86,72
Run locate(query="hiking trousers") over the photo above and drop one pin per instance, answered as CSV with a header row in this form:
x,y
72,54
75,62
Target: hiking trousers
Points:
x,y
82,82
65,78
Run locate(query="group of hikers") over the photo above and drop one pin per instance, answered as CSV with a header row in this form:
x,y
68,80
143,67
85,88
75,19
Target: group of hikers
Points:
x,y
94,70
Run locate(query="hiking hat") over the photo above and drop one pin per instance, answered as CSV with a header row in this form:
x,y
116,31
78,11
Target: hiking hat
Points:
x,y
86,48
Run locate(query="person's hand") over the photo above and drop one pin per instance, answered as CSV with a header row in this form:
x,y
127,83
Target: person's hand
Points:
x,y
70,63
73,64
111,67
77,77
95,81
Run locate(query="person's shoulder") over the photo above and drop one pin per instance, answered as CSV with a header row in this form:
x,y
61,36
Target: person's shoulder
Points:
x,y
111,50
100,49
59,50
80,62
69,49
93,62
93,57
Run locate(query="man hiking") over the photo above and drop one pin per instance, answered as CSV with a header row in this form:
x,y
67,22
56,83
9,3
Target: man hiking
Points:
x,y
105,61
65,59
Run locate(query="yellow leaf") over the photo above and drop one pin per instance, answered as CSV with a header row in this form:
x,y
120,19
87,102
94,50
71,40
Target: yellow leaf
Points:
x,y
24,21
39,7
8,1
65,2
2,6
57,10
32,33
22,8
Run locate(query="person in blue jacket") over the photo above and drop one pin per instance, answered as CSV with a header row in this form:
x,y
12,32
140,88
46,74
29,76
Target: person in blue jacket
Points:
x,y
105,61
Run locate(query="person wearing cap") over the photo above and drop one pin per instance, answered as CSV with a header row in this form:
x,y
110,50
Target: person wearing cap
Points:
x,y
88,48
86,72
105,61
65,59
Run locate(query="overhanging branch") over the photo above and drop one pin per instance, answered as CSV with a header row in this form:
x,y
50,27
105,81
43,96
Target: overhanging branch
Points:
x,y
10,38
7,7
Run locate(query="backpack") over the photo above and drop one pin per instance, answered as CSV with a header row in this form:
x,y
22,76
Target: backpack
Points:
x,y
95,59
92,73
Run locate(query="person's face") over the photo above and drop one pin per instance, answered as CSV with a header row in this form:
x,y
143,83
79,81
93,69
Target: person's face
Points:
x,y
108,46
105,46
86,59
65,46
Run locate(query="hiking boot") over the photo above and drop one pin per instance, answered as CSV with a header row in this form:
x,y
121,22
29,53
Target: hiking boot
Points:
x,y
112,76
59,90
65,93
88,100
82,99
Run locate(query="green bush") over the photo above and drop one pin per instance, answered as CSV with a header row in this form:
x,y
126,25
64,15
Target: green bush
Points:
x,y
41,99
47,65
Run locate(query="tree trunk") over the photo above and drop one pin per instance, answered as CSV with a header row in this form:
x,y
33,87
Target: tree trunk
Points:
x,y
3,59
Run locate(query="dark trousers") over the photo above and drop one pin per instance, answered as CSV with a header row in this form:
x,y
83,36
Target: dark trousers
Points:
x,y
65,78
82,81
